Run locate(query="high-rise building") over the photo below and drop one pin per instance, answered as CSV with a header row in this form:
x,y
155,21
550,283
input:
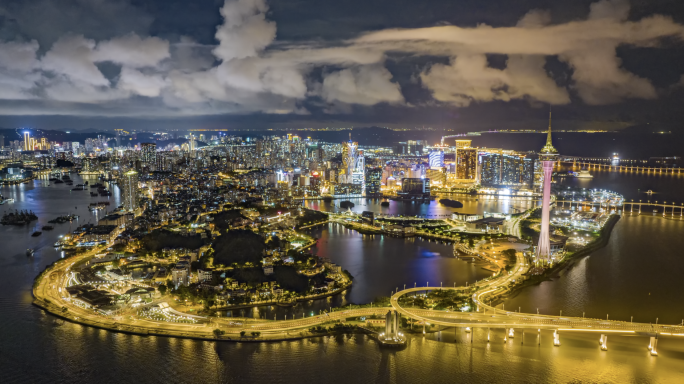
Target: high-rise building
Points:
x,y
436,159
547,156
27,141
148,153
505,168
373,181
2,141
129,190
414,188
466,160
490,168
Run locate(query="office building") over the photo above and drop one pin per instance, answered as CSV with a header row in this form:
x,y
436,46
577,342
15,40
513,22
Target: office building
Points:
x,y
373,182
129,190
27,141
414,188
466,161
148,153
505,168
436,159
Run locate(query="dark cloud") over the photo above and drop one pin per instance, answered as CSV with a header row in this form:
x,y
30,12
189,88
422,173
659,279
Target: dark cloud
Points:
x,y
304,60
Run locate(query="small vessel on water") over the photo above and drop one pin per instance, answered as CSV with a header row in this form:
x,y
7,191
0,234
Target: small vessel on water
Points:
x,y
93,194
48,227
583,174
30,252
649,192
36,233
385,204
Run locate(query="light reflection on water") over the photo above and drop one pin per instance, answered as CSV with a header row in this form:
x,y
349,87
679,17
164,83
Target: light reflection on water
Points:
x,y
642,257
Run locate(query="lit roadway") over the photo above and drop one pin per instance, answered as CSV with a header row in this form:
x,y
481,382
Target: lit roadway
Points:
x,y
48,295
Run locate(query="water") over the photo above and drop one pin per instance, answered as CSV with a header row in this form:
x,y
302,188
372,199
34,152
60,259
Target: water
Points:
x,y
381,263
430,209
642,257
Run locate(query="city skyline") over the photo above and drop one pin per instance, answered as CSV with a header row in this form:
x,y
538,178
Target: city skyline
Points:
x,y
267,191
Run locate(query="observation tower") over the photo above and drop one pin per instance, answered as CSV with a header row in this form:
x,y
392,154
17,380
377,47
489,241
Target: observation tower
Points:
x,y
547,156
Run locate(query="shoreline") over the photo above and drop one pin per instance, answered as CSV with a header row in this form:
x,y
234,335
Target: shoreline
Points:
x,y
568,262
205,332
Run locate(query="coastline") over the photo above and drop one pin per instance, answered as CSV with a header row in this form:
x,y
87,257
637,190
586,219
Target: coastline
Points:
x,y
205,332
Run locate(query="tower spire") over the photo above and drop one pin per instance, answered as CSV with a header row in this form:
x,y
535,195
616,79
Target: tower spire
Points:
x,y
548,148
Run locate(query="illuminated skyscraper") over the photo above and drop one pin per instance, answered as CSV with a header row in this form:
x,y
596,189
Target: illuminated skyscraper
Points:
x,y
547,157
148,153
436,159
373,181
129,184
27,141
2,141
466,160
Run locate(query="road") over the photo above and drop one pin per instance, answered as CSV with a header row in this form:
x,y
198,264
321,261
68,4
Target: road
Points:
x,y
50,289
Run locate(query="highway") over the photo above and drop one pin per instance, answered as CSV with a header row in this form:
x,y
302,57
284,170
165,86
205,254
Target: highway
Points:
x,y
50,289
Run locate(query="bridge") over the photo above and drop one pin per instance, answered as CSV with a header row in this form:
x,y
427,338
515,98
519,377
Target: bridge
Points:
x,y
625,168
491,317
50,294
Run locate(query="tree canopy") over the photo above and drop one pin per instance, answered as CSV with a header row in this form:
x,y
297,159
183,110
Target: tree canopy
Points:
x,y
238,246
160,239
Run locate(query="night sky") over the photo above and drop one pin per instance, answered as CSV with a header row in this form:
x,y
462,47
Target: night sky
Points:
x,y
464,65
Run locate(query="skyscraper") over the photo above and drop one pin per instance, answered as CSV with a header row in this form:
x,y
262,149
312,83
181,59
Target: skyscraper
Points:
x,y
547,157
27,141
2,141
129,190
149,152
466,160
436,159
373,181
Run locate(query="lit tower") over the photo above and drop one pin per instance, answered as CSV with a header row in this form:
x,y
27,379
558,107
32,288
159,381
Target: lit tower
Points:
x,y
130,190
547,156
27,141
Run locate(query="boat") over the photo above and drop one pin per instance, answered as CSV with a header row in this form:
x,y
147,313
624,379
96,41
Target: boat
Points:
x,y
59,182
649,192
583,174
57,244
36,233
48,227
385,204
93,194
30,252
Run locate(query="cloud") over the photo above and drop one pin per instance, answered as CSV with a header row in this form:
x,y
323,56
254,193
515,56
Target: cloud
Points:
x,y
249,70
141,84
589,48
72,58
364,85
245,31
47,20
132,51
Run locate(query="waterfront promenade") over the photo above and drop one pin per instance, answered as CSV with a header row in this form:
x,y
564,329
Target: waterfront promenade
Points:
x,y
51,285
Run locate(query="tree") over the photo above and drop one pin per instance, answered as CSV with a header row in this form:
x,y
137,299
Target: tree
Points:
x,y
218,332
256,334
238,246
242,333
162,289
